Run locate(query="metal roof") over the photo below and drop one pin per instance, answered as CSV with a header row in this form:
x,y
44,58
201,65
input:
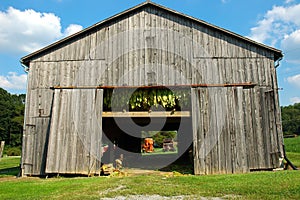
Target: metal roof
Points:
x,y
26,59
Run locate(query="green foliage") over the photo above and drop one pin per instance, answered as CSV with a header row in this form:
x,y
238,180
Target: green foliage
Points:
x,y
146,99
291,119
13,151
161,135
11,117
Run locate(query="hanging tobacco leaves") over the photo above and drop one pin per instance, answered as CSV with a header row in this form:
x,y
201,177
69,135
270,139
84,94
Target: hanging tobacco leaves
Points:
x,y
146,99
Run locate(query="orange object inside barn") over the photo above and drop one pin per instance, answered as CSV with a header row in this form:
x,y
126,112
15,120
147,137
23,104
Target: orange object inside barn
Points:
x,y
148,145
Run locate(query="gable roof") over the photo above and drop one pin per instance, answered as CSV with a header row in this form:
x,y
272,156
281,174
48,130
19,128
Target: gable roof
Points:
x,y
26,59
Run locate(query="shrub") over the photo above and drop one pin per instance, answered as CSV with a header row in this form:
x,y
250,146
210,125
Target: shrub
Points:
x,y
13,151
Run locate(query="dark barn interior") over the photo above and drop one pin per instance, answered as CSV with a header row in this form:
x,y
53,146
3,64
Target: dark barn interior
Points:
x,y
130,144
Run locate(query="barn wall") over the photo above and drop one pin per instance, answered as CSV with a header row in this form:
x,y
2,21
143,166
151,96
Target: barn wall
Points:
x,y
153,40
154,46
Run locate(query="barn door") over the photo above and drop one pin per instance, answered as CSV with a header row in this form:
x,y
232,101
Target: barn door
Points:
x,y
219,136
75,132
207,126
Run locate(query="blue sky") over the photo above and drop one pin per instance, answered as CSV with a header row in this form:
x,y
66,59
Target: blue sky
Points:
x,y
27,25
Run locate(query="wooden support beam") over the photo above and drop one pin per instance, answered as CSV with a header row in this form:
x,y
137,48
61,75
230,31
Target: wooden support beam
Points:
x,y
147,114
2,143
289,163
247,85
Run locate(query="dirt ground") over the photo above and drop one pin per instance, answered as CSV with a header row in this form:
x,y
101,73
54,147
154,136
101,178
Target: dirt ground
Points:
x,y
158,197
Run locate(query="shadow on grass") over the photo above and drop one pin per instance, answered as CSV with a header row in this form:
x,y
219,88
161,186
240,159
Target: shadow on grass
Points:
x,y
182,165
12,171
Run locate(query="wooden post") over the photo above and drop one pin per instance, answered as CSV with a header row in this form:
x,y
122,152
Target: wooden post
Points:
x,y
1,148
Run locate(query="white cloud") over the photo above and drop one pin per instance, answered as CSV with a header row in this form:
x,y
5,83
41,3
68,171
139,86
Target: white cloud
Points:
x,y
280,27
289,1
294,80
291,46
13,81
73,28
295,100
27,31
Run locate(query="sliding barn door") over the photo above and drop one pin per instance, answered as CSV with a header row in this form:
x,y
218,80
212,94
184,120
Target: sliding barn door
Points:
x,y
219,136
75,132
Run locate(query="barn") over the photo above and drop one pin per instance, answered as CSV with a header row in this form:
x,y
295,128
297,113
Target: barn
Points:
x,y
145,72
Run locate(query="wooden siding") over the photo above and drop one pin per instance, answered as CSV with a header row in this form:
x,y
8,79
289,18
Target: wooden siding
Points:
x,y
36,129
154,46
75,132
234,130
176,50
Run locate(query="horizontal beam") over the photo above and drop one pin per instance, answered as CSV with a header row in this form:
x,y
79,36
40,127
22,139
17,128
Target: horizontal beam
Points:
x,y
248,84
148,114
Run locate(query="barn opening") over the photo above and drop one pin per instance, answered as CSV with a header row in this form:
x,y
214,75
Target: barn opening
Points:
x,y
151,127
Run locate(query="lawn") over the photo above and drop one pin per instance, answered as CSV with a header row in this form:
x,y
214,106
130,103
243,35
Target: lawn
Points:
x,y
9,166
159,151
292,148
258,185
292,144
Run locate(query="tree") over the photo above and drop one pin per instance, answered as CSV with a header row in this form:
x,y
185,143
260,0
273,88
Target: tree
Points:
x,y
291,119
11,117
161,135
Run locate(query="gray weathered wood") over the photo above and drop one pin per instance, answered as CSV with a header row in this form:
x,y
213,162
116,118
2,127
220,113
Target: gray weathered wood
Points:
x,y
75,132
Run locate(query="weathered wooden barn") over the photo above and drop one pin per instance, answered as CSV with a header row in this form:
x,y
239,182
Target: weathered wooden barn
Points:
x,y
230,118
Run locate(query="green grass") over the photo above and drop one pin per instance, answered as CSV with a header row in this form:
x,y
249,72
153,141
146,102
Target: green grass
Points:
x,y
258,185
292,148
292,144
294,158
159,151
9,166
